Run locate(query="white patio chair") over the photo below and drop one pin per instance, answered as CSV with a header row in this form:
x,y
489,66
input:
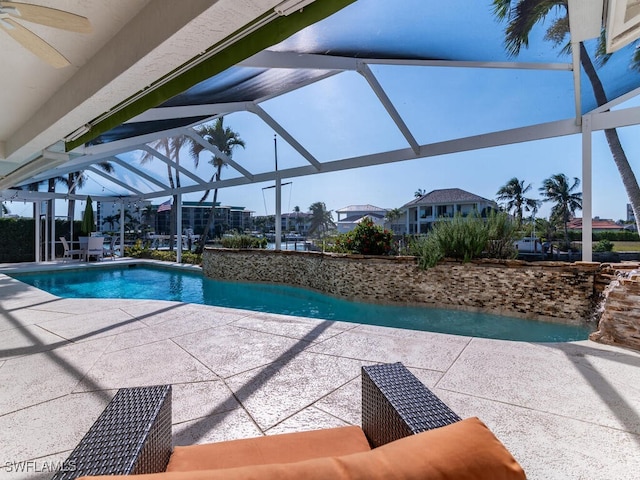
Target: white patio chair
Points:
x,y
111,248
95,248
69,252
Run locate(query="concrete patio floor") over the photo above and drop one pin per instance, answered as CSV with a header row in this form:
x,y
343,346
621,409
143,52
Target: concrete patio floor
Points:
x,y
565,411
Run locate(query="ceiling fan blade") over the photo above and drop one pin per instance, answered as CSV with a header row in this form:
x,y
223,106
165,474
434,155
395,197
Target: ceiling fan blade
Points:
x,y
50,17
34,43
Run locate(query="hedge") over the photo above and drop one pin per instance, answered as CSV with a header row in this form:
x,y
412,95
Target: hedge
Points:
x,y
17,238
613,236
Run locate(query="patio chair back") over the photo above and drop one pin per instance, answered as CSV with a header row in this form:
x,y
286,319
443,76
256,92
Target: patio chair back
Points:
x,y
111,247
95,247
68,252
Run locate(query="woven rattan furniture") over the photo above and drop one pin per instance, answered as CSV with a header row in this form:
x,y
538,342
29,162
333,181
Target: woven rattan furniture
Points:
x,y
396,404
133,434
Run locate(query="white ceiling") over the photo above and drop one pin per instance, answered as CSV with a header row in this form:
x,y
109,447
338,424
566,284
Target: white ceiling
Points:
x,y
133,43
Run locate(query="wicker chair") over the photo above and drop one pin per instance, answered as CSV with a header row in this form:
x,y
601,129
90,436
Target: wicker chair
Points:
x,y
133,434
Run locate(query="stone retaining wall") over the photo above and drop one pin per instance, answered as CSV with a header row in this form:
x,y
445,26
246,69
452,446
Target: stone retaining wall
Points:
x,y
554,291
620,320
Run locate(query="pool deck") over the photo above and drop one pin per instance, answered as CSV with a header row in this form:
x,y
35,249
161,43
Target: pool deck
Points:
x,y
565,410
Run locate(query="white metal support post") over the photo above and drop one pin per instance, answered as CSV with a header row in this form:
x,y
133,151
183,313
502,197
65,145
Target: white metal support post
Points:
x,y
278,212
587,190
53,229
278,239
179,228
36,218
46,230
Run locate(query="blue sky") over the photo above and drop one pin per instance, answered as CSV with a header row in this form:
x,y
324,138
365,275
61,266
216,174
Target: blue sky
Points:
x,y
340,117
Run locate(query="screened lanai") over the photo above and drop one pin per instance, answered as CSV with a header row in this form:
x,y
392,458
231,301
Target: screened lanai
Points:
x,y
425,66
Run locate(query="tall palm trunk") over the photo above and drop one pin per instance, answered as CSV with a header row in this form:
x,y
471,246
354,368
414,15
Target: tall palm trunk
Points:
x,y
211,220
619,157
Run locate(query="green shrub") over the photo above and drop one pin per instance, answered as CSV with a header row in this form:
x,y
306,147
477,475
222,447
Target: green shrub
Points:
x,y
603,246
466,238
138,250
17,240
141,250
366,239
619,236
336,243
243,241
426,250
502,232
462,238
169,256
614,236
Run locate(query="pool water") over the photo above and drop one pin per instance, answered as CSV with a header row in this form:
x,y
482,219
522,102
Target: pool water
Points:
x,y
138,282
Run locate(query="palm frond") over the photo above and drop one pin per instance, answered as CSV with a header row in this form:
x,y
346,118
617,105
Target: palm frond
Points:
x,y
522,16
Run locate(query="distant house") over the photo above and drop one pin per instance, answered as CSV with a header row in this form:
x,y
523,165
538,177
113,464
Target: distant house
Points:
x,y
422,212
298,222
598,225
349,217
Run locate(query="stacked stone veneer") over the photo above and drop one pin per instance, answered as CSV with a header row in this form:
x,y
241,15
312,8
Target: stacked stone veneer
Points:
x,y
555,291
620,311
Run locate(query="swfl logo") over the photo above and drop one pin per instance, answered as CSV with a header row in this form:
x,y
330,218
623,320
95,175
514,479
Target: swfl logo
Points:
x,y
35,466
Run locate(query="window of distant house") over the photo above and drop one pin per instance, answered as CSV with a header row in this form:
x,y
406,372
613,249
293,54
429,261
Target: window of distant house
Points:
x,y
441,210
426,212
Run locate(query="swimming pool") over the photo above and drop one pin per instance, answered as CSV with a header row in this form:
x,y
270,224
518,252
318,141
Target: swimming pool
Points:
x,y
143,282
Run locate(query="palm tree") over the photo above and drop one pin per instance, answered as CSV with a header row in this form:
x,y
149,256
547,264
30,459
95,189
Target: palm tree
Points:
x,y
566,200
522,17
225,140
170,147
297,220
513,192
75,181
131,222
393,215
418,193
148,214
321,219
546,229
111,220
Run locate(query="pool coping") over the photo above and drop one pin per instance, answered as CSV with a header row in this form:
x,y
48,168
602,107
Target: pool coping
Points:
x,y
77,265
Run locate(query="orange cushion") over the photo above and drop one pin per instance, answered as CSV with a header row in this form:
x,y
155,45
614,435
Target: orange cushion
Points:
x,y
465,450
285,448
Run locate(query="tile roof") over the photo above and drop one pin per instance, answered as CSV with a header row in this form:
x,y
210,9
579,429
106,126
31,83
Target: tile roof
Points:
x,y
361,208
359,218
447,196
596,224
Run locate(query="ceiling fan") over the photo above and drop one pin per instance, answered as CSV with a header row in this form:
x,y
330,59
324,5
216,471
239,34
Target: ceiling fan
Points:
x,y
51,17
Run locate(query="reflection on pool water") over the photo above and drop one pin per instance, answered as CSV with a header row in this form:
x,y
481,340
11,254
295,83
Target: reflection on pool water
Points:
x,y
191,287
